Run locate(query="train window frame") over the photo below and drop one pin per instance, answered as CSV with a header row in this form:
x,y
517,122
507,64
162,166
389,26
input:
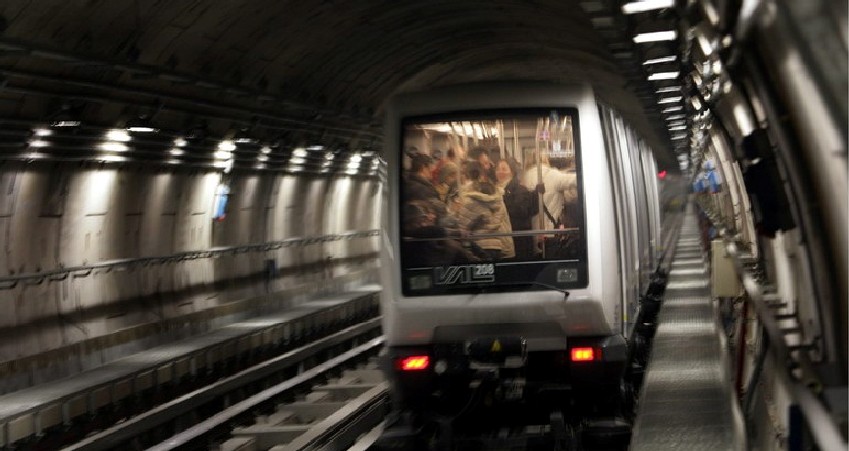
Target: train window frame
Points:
x,y
534,275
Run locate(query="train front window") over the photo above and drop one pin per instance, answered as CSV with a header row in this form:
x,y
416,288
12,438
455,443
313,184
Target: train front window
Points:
x,y
491,201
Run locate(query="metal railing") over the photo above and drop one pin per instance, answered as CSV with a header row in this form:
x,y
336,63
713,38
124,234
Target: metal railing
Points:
x,y
124,264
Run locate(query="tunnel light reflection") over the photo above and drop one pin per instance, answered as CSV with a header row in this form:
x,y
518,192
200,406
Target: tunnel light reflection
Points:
x,y
176,152
300,152
38,143
180,142
42,132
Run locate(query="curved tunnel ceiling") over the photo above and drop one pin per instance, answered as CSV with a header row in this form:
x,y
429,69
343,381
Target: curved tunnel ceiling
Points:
x,y
304,69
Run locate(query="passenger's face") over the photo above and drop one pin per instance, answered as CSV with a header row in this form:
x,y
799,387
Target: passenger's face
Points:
x,y
503,172
484,160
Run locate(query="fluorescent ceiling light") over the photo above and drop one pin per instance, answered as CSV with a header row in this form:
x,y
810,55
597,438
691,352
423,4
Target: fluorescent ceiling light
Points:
x,y
679,136
675,117
656,36
38,143
265,150
141,129
671,109
669,100
678,128
180,142
117,135
663,76
176,152
676,123
663,59
42,132
223,155
299,152
113,147
646,5
668,89
65,124
227,146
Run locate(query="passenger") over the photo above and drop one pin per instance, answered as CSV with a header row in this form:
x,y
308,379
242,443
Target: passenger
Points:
x,y
418,185
557,189
422,236
447,182
482,211
450,157
481,155
521,203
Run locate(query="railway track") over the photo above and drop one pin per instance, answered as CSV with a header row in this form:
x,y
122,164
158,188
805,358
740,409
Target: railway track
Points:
x,y
204,417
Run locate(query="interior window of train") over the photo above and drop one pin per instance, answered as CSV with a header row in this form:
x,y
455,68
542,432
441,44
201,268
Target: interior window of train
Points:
x,y
491,200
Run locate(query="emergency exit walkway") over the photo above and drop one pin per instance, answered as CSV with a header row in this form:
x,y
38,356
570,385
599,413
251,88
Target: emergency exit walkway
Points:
x,y
687,402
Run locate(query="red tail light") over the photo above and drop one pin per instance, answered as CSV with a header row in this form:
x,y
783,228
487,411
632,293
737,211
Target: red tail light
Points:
x,y
414,363
584,355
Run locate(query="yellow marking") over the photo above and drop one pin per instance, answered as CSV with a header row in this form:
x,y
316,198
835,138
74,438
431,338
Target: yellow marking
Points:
x,y
496,346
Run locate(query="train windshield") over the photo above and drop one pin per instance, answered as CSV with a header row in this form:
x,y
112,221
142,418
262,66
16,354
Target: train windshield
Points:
x,y
492,201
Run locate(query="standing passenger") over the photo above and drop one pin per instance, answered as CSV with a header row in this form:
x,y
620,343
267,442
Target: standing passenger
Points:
x,y
482,211
521,205
558,188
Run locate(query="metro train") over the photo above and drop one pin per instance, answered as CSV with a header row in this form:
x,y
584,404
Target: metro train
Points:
x,y
487,313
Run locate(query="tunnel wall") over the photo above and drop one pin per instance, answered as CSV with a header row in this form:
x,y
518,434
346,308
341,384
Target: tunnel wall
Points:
x,y
68,215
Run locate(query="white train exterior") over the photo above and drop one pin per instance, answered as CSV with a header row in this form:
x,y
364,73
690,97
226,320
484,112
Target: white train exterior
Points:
x,y
444,312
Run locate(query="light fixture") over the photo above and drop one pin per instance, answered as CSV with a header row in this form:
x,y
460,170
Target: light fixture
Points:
x,y
176,152
678,128
299,152
42,132
180,142
117,135
663,59
243,137
65,123
112,146
265,150
38,143
675,117
676,123
697,105
227,146
670,109
656,36
669,100
646,5
663,76
666,89
141,125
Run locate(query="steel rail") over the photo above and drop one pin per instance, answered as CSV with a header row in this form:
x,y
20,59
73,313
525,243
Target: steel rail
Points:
x,y
184,404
